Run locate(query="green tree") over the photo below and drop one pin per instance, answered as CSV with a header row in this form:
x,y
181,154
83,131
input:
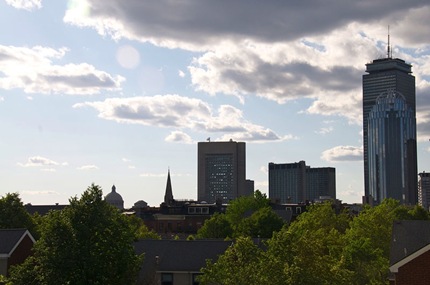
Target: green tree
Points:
x,y
368,240
13,213
262,223
89,242
245,216
312,248
216,227
140,230
240,264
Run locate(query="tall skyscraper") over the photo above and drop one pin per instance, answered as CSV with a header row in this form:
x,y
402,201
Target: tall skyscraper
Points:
x,y
221,171
424,190
297,182
389,131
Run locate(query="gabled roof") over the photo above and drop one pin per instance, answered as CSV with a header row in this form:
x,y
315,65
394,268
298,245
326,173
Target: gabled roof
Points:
x,y
179,255
10,239
409,240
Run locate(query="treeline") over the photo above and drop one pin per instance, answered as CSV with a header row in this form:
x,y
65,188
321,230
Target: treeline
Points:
x,y
91,242
88,242
320,247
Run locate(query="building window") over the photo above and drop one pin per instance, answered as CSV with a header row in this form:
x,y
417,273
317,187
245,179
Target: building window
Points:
x,y
288,209
166,279
191,210
298,210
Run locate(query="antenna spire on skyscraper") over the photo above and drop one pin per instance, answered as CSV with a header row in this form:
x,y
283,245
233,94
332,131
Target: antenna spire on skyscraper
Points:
x,y
389,52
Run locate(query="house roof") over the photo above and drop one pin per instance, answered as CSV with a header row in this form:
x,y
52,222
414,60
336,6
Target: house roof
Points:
x,y
179,255
10,239
409,239
43,209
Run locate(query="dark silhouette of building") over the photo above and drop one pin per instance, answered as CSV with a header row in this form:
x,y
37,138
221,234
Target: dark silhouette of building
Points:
x,y
176,261
297,182
15,246
168,196
221,171
410,253
115,199
175,217
389,131
424,190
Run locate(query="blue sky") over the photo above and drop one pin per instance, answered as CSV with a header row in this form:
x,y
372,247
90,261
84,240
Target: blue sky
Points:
x,y
119,91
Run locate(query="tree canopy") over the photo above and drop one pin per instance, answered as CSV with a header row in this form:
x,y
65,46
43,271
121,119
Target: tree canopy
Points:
x,y
245,216
13,213
89,242
320,247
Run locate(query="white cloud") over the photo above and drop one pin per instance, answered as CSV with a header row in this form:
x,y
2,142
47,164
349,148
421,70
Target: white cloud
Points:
x,y
178,136
42,192
33,70
282,57
174,111
38,161
343,153
181,74
88,167
25,4
325,130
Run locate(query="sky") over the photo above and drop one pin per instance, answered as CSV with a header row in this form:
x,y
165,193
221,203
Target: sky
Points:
x,y
119,92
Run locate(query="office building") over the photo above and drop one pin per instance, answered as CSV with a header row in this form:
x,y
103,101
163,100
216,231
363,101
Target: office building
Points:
x,y
424,190
389,131
221,171
297,182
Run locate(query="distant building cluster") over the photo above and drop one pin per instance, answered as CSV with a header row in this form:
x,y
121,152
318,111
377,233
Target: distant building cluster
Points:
x,y
298,183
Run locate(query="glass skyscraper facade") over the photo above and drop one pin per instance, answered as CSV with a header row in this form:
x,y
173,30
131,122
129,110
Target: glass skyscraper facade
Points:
x,y
389,132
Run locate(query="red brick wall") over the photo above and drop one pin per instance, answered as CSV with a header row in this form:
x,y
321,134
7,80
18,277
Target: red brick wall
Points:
x,y
416,272
21,252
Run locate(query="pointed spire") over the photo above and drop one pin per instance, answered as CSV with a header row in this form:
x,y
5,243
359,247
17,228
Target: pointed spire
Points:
x,y
389,52
113,188
168,196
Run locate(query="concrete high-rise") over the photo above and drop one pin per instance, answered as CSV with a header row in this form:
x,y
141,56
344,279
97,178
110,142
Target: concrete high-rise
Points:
x,y
221,171
297,182
424,190
389,131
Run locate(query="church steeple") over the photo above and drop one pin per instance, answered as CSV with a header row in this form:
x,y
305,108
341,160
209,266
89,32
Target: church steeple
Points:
x,y
168,196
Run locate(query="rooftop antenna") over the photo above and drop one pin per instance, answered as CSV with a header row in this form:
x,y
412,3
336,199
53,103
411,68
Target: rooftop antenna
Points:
x,y
389,52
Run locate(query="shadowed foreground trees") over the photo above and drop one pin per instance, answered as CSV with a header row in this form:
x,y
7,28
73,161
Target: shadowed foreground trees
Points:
x,y
245,216
320,247
14,215
89,242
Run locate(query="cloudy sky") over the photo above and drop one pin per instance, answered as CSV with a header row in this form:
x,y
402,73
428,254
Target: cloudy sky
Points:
x,y
119,91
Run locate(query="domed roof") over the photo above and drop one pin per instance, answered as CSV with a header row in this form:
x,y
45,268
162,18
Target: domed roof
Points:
x,y
140,204
115,198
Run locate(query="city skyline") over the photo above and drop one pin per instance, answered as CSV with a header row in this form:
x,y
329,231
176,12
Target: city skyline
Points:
x,y
118,92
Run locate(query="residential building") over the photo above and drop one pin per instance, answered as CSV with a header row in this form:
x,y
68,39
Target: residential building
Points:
x,y
298,183
15,247
221,171
424,190
410,253
176,262
389,131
